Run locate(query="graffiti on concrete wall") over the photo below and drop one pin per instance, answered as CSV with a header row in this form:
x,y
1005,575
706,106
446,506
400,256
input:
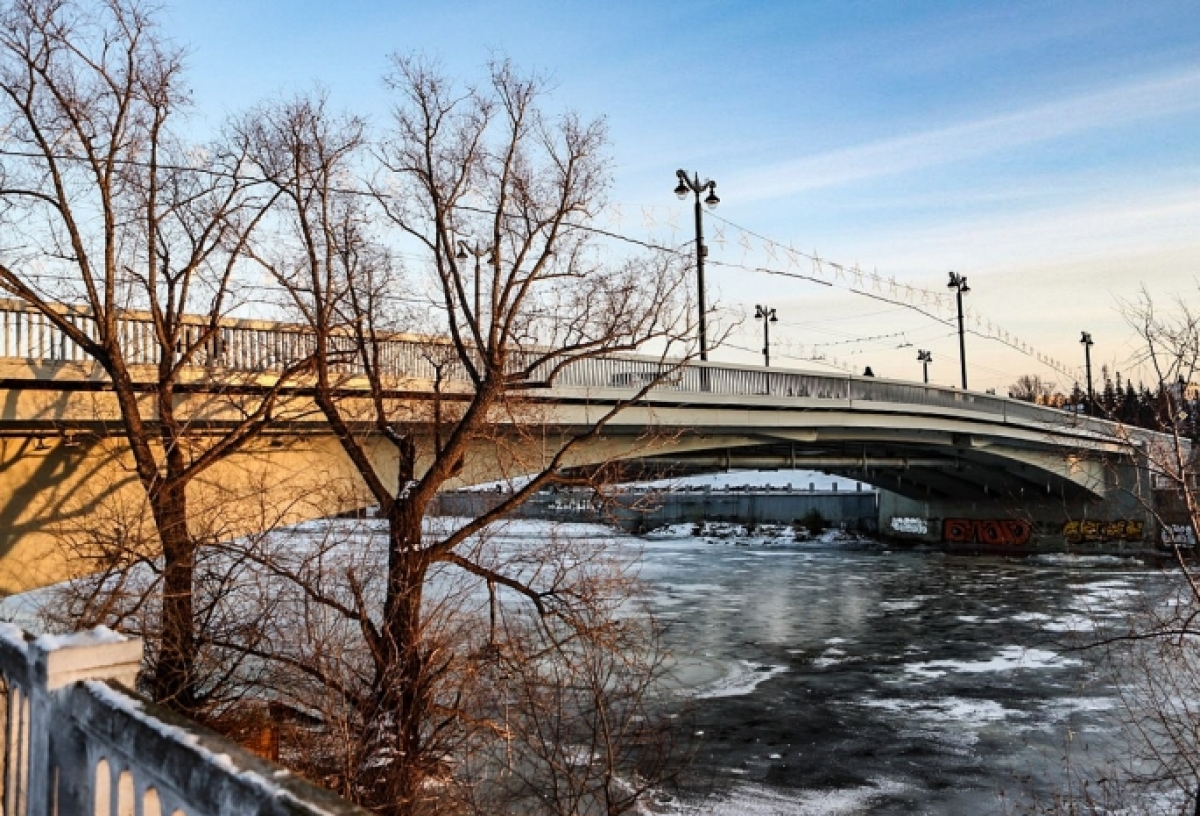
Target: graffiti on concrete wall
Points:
x,y
1178,535
992,532
571,506
909,525
1119,530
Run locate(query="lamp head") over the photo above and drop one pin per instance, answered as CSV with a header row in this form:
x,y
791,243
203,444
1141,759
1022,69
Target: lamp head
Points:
x,y
758,312
462,251
774,319
683,187
711,199
1085,338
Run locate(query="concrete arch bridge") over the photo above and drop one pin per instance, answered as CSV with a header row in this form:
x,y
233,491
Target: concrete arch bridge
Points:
x,y
66,478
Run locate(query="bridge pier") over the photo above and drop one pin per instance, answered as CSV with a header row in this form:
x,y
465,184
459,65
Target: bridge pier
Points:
x,y
69,508
1124,519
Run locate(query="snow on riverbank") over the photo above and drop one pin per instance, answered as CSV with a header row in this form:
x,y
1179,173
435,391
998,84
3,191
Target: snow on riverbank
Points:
x,y
746,534
751,479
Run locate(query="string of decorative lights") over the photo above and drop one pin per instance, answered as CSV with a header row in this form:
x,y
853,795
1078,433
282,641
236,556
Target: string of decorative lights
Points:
x,y
825,272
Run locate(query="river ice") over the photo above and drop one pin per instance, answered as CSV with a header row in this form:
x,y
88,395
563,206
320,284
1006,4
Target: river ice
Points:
x,y
844,678
840,677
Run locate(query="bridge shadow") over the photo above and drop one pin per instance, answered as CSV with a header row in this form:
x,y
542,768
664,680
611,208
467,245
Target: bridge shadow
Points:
x,y
46,497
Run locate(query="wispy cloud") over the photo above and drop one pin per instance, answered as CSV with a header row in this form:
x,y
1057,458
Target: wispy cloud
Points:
x,y
1120,106
1123,223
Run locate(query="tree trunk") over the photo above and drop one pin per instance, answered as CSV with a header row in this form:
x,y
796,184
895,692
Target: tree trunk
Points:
x,y
404,692
174,676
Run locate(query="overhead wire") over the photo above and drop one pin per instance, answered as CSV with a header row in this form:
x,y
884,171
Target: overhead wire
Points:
x,y
1000,336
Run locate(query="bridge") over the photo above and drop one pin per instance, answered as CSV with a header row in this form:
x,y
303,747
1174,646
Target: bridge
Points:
x,y
941,452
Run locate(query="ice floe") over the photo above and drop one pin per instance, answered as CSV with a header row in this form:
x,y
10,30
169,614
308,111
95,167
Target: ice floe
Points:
x,y
899,606
830,657
1010,658
961,711
743,677
757,800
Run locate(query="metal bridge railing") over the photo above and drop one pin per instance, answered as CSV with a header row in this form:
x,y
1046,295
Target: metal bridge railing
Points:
x,y
262,346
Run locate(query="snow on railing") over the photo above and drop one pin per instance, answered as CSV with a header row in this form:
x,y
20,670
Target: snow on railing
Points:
x,y
262,346
76,740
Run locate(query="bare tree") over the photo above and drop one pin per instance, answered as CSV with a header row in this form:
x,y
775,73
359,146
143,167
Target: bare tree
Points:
x,y
107,210
1032,388
1151,655
478,171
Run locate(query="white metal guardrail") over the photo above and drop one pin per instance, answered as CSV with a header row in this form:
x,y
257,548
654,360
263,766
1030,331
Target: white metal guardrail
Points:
x,y
262,346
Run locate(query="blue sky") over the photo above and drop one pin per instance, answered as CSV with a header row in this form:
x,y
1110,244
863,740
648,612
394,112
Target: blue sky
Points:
x,y
1049,151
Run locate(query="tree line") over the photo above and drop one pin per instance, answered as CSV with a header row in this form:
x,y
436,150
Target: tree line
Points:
x,y
1169,404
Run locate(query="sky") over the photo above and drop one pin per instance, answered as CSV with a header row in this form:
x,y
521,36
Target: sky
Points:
x,y
1050,152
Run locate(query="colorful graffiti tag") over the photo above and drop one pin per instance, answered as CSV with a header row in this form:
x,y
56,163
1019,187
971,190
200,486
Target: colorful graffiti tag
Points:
x,y
1120,530
1177,535
909,526
991,532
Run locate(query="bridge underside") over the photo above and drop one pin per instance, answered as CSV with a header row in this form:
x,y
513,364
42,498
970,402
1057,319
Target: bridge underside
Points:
x,y
916,471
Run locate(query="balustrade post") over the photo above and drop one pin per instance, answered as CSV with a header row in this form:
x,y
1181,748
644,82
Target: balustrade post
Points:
x,y
45,766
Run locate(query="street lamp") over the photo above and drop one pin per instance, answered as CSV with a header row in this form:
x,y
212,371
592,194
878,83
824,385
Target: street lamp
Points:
x,y
1085,338
959,284
925,358
694,185
767,316
479,252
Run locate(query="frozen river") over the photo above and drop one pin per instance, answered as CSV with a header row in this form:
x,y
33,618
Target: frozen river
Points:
x,y
843,679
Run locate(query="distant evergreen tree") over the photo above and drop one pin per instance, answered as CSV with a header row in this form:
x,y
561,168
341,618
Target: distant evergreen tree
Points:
x,y
1078,399
1108,397
1147,415
1128,412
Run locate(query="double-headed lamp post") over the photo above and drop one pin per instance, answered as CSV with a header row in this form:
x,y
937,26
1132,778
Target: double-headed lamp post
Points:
x,y
479,253
767,316
696,186
1085,339
925,358
959,284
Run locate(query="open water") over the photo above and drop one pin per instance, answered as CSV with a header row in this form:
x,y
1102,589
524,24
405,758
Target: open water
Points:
x,y
835,678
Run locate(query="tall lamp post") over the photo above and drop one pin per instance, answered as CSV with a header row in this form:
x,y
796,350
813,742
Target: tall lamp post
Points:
x,y
1085,338
479,252
925,358
767,316
959,284
694,185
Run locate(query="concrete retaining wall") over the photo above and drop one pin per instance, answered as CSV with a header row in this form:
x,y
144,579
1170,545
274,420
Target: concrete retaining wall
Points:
x,y
649,509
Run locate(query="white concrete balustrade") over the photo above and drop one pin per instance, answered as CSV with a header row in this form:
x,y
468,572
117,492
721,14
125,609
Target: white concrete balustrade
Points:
x,y
78,742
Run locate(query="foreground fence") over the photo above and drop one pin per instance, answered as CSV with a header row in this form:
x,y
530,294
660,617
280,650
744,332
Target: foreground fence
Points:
x,y
76,740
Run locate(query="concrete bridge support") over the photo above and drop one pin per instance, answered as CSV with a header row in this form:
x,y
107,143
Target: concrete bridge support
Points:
x,y
1120,517
72,509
